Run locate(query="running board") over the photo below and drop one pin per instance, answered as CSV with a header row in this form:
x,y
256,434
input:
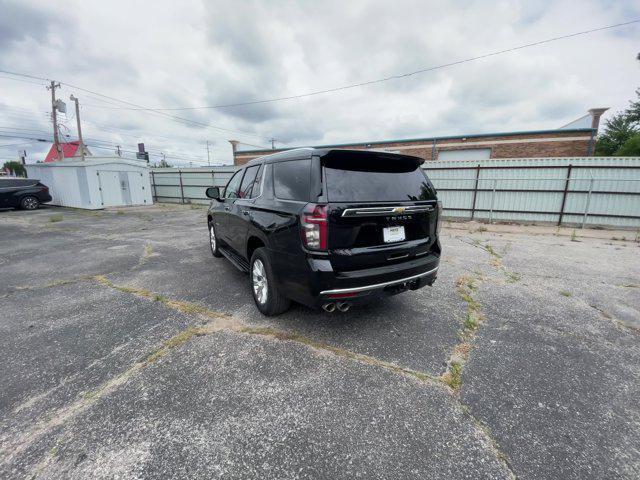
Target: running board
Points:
x,y
237,261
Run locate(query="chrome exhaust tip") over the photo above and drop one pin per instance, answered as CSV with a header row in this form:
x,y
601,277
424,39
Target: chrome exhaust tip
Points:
x,y
329,307
343,306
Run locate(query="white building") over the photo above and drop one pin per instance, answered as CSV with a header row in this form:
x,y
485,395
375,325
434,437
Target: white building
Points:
x,y
95,183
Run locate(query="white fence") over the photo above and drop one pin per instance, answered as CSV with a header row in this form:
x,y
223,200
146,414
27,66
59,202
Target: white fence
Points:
x,y
584,191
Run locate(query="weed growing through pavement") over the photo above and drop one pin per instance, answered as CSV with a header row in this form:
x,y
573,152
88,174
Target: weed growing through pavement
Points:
x,y
56,218
565,293
453,376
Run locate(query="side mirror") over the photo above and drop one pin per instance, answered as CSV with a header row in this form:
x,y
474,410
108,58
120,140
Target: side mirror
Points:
x,y
213,192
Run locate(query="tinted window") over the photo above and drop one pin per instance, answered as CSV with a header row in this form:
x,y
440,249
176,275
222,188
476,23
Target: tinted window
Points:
x,y
16,182
257,185
231,191
247,181
291,180
381,178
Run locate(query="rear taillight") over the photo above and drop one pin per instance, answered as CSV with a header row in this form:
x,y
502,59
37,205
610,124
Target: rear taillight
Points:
x,y
439,221
314,226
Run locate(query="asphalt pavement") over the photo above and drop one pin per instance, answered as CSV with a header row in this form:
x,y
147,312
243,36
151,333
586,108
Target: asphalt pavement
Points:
x,y
128,351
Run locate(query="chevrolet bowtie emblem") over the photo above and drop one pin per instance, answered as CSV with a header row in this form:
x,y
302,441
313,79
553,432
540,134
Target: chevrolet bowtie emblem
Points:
x,y
399,210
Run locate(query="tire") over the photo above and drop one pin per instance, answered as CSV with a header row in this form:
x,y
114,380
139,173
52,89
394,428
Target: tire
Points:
x,y
214,242
261,273
29,202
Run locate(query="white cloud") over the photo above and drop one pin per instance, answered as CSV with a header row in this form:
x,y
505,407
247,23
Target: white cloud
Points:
x,y
192,54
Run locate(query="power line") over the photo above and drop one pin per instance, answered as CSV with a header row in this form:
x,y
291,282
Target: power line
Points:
x,y
160,110
392,77
139,107
174,117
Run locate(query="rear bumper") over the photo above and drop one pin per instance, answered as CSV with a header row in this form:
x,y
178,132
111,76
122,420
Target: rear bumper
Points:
x,y
325,285
430,274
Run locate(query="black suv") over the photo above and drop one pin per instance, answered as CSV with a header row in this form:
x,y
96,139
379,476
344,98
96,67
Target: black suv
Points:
x,y
327,227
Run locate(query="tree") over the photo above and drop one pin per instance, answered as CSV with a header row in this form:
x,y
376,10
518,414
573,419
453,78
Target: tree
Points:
x,y
633,112
162,164
16,167
630,148
617,131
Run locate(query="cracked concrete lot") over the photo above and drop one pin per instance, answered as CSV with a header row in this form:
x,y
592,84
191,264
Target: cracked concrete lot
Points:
x,y
128,351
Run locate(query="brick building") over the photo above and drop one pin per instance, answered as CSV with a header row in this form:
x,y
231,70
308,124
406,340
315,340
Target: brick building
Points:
x,y
577,139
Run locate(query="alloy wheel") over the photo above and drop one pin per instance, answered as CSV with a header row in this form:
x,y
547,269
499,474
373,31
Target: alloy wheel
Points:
x,y
212,238
259,281
30,203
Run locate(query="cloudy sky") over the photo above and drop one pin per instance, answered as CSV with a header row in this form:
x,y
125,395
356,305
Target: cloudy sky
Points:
x,y
172,55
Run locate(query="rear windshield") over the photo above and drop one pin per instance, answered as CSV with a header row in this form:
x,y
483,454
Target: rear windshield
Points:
x,y
375,178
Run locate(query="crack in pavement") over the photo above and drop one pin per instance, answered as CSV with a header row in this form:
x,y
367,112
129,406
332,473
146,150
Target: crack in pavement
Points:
x,y
467,286
215,322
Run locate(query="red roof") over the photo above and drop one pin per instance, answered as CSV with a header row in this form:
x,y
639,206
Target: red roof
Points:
x,y
68,150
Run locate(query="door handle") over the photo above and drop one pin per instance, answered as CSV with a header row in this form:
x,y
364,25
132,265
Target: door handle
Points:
x,y
227,208
246,212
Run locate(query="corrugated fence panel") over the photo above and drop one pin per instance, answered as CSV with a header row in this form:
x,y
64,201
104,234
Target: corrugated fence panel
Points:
x,y
533,189
188,185
508,190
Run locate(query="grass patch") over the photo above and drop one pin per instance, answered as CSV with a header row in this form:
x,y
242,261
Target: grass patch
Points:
x,y
453,376
120,212
471,322
56,218
491,251
467,281
574,237
512,277
566,293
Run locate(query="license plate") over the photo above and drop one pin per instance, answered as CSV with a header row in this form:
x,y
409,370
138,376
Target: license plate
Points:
x,y
393,234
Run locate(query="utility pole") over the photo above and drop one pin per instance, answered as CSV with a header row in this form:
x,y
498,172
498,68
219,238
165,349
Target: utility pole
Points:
x,y
75,99
273,144
208,159
118,152
54,117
